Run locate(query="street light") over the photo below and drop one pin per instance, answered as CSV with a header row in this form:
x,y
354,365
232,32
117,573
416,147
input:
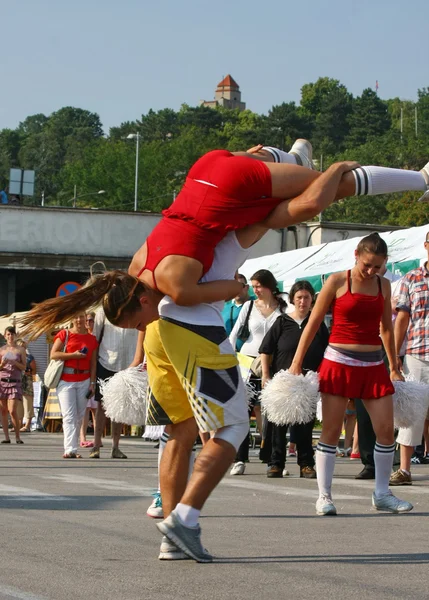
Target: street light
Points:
x,y
135,136
85,195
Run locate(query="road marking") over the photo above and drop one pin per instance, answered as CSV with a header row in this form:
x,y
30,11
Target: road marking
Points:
x,y
8,592
103,484
283,491
27,494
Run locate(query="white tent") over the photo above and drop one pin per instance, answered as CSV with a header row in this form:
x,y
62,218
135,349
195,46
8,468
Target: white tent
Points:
x,y
406,251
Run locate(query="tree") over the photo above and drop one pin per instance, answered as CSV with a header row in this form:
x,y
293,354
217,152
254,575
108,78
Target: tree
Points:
x,y
329,103
369,118
423,113
285,123
159,125
32,125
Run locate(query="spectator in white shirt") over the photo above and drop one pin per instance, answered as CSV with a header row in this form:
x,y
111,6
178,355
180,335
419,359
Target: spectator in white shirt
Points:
x,y
255,319
115,353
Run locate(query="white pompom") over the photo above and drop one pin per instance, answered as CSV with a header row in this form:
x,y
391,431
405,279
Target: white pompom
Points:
x,y
251,393
319,413
124,396
410,402
290,399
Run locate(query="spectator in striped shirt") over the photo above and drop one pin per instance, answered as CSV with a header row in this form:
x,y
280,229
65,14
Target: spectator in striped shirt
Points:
x,y
413,319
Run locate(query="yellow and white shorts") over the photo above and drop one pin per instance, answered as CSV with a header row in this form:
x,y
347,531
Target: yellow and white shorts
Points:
x,y
192,372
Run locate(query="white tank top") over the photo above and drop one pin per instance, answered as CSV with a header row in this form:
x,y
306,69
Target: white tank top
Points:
x,y
228,257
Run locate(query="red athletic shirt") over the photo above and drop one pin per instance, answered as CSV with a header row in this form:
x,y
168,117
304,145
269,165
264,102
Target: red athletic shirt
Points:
x,y
222,192
356,317
75,343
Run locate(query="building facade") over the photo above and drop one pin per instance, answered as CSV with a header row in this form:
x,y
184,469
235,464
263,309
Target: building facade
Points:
x,y
227,94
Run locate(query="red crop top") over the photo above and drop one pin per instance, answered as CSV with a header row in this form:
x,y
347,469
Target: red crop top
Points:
x,y
356,317
222,192
180,238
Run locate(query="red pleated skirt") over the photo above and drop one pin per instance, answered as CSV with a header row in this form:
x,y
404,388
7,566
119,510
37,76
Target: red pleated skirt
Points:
x,y
366,383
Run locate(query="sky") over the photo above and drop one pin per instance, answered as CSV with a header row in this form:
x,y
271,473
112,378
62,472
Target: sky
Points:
x,y
122,58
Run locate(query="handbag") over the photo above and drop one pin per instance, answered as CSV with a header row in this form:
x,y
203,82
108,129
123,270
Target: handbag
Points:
x,y
55,369
244,332
256,367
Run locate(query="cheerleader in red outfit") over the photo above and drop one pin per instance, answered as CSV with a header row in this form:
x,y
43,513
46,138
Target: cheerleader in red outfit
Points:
x,y
353,367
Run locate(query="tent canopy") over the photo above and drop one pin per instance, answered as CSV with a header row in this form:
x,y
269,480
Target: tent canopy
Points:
x,y
406,251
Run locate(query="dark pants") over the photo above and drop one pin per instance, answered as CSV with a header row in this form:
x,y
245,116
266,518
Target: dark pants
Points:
x,y
243,451
366,435
367,438
303,438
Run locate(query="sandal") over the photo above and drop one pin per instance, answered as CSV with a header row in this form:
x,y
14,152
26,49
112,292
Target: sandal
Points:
x,y
71,455
5,442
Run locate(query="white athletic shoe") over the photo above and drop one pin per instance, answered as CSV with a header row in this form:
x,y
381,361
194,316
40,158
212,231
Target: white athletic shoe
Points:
x,y
391,503
238,468
425,173
325,506
170,551
285,472
155,509
303,150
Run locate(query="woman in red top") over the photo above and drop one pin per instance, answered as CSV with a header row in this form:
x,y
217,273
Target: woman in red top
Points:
x,y
78,378
353,367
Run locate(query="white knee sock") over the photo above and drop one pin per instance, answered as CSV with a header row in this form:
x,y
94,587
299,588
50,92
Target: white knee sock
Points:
x,y
280,156
383,460
371,181
325,465
188,515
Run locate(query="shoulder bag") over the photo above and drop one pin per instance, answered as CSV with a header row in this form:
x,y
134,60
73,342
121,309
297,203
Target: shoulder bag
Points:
x,y
244,332
55,369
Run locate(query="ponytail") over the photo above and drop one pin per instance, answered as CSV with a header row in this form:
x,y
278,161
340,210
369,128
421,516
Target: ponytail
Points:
x,y
282,302
115,290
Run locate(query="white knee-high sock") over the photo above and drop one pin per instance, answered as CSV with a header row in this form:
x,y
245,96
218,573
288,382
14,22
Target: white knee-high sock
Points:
x,y
325,465
280,156
371,181
383,460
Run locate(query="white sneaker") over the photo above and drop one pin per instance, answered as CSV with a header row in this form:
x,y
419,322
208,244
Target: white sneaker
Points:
x,y
238,468
285,472
325,506
390,503
303,150
170,551
155,509
425,173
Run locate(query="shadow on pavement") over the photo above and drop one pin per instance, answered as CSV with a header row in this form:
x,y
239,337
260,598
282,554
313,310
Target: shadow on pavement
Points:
x,y
358,559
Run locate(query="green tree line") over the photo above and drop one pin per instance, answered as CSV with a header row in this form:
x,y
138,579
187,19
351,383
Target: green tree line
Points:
x,y
68,148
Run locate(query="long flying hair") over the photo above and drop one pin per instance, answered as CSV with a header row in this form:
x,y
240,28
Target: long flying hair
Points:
x,y
117,291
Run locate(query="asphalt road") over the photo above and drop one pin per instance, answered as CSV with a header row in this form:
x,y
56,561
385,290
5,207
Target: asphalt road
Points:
x,y
78,530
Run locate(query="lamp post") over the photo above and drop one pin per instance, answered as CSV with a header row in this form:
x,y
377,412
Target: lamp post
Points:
x,y
75,197
135,136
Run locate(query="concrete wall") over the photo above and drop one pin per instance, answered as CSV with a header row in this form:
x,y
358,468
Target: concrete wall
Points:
x,y
73,231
